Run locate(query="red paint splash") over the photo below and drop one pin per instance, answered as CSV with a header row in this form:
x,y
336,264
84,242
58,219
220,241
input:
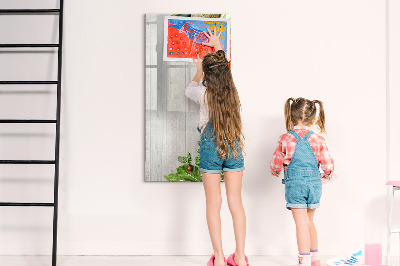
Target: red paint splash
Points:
x,y
181,46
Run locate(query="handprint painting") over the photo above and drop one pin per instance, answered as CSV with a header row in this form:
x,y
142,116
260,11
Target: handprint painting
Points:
x,y
184,37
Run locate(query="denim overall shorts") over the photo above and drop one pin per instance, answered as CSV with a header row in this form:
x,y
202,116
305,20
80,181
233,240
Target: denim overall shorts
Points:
x,y
303,186
210,160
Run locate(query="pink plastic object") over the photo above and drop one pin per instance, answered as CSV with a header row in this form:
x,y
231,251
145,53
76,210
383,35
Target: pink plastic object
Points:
x,y
393,183
333,178
373,254
211,261
231,260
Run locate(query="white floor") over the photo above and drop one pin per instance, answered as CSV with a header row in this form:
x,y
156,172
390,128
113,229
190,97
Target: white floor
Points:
x,y
142,260
135,260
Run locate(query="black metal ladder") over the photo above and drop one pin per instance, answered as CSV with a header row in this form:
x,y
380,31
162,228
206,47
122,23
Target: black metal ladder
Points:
x,y
57,82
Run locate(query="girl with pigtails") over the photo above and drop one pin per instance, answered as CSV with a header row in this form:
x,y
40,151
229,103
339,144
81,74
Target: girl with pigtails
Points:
x,y
302,154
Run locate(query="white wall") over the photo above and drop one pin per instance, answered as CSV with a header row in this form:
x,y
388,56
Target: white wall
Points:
x,y
333,51
394,109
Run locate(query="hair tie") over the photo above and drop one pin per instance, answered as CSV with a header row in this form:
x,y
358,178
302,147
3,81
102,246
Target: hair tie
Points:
x,y
219,64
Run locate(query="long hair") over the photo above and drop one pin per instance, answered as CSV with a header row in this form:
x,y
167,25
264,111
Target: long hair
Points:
x,y
223,104
303,110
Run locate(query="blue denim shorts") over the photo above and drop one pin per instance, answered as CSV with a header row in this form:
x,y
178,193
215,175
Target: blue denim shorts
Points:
x,y
210,160
303,193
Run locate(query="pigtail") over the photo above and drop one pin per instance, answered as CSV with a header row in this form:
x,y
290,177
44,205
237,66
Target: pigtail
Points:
x,y
321,116
288,114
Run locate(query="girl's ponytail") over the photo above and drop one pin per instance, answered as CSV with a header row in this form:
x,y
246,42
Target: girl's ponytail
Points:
x,y
321,116
288,114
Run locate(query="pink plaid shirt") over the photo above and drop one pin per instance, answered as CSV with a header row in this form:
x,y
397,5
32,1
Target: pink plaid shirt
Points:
x,y
287,144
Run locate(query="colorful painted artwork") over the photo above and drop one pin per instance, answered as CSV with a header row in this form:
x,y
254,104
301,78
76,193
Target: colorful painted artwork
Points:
x,y
183,37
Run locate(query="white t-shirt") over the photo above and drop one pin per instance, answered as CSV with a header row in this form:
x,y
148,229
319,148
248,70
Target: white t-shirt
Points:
x,y
196,92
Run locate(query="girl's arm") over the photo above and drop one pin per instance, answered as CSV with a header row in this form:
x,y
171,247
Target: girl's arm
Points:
x,y
199,72
277,159
327,163
194,91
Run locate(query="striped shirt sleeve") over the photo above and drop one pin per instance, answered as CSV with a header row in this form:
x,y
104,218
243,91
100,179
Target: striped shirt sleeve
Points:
x,y
326,162
278,157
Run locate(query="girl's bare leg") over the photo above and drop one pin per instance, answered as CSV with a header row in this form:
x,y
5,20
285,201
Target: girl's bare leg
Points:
x,y
302,221
313,230
233,184
211,183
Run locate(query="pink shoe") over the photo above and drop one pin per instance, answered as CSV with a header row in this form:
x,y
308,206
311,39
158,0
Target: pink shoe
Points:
x,y
211,261
231,260
316,263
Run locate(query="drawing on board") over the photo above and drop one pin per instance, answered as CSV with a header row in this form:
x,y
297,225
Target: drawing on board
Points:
x,y
183,37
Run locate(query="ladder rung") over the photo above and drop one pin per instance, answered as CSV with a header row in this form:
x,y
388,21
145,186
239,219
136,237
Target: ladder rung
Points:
x,y
6,11
38,204
27,161
33,45
29,82
27,121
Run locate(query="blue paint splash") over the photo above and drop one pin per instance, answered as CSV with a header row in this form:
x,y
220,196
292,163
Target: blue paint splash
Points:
x,y
198,27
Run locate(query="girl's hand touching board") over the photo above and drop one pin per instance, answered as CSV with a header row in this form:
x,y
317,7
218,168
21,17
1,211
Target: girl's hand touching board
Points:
x,y
213,39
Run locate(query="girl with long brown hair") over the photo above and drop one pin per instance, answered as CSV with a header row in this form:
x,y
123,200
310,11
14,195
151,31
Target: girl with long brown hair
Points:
x,y
302,153
221,147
